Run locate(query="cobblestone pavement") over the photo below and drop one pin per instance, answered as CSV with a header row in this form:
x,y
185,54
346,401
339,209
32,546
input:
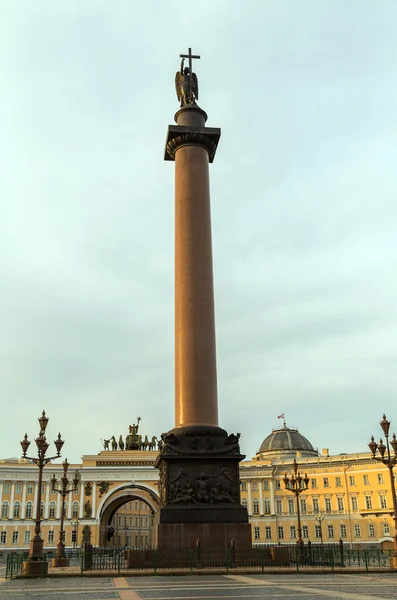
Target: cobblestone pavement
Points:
x,y
223,587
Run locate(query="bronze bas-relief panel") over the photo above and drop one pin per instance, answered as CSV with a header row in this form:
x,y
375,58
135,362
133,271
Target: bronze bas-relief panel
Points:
x,y
204,483
199,468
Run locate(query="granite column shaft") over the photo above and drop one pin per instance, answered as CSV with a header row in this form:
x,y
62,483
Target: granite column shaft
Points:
x,y
195,347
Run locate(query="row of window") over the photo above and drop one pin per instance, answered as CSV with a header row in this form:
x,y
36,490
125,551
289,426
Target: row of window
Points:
x,y
26,537
313,482
254,485
127,541
257,533
318,532
16,510
340,504
123,522
29,488
51,538
138,506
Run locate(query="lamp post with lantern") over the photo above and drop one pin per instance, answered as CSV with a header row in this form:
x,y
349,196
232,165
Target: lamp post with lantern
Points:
x,y
60,559
36,565
385,456
297,484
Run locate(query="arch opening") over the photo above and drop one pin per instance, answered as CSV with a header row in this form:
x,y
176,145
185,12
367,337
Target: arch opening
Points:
x,y
126,517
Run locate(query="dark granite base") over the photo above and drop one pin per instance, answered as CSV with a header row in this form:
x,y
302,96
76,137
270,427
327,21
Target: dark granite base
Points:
x,y
199,490
199,513
209,535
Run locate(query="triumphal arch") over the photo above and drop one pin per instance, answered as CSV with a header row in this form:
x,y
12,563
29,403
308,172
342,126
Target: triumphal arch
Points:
x,y
119,491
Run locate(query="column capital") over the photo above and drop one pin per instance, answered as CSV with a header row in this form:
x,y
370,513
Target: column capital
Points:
x,y
178,135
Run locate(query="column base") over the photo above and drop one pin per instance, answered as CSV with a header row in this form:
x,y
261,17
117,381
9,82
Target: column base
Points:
x,y
34,568
60,561
209,535
200,490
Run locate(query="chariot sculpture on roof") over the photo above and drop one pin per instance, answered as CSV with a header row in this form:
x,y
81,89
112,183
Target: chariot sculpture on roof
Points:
x,y
133,439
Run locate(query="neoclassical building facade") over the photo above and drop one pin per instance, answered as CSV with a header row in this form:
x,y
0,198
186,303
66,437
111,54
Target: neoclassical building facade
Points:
x,y
349,497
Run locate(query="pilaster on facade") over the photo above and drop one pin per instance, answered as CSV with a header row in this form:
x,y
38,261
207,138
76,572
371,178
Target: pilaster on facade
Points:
x,y
12,496
272,500
70,504
81,505
249,506
94,491
47,499
261,509
58,509
23,504
35,496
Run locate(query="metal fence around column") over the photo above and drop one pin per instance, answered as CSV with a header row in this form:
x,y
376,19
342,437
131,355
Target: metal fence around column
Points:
x,y
261,558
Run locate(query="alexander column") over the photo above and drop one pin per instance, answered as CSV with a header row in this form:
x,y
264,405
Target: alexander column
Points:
x,y
199,463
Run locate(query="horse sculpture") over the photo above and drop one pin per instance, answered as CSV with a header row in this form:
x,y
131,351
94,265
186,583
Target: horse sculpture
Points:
x,y
152,443
145,443
114,443
121,443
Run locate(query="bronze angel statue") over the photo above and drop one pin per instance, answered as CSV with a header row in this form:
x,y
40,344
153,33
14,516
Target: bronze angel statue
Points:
x,y
186,85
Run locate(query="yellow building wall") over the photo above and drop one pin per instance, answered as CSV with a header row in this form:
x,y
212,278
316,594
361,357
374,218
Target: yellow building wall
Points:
x,y
351,494
349,498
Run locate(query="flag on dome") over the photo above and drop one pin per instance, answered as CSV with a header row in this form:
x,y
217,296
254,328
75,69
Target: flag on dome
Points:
x,y
281,416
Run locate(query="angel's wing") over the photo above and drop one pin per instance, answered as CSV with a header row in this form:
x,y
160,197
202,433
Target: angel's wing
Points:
x,y
195,85
178,78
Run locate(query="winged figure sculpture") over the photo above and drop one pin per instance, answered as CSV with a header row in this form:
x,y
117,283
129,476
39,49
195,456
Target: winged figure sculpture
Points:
x,y
186,85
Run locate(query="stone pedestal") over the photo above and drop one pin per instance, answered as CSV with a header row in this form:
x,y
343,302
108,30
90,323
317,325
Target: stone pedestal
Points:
x,y
60,561
34,568
200,490
210,535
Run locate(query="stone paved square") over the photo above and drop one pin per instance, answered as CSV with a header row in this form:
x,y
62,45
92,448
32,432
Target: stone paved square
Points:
x,y
285,586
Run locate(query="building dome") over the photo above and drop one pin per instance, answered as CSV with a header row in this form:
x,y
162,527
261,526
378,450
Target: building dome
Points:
x,y
286,441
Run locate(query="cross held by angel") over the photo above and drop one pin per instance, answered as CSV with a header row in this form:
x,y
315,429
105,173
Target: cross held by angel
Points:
x,y
186,83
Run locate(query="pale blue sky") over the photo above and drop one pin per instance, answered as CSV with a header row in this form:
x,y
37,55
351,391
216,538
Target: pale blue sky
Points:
x,y
303,201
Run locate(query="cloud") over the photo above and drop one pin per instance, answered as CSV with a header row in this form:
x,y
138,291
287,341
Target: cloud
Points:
x,y
303,207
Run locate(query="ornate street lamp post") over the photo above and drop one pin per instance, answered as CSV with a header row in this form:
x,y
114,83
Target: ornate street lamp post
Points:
x,y
60,559
35,564
297,484
320,519
387,459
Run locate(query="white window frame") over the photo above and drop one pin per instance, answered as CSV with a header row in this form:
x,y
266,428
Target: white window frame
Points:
x,y
28,510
